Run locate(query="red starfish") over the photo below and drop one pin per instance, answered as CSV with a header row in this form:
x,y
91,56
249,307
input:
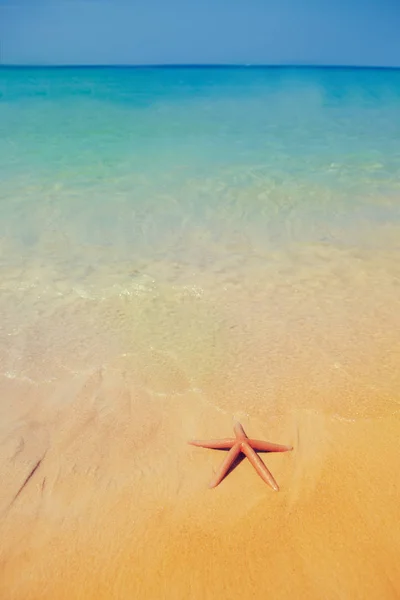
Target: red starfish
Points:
x,y
241,443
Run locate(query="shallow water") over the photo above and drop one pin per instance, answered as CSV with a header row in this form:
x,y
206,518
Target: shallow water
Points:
x,y
232,232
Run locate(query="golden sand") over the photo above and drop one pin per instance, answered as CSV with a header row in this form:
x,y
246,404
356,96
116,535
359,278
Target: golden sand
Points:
x,y
119,505
101,496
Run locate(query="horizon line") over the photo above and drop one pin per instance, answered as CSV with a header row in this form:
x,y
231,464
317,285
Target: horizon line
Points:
x,y
193,66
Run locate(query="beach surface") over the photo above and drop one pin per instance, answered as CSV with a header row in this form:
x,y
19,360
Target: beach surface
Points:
x,y
102,497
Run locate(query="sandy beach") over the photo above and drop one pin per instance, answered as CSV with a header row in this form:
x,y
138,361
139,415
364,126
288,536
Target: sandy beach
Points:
x,y
117,505
103,498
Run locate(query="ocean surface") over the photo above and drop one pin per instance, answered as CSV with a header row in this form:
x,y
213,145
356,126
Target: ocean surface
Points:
x,y
232,233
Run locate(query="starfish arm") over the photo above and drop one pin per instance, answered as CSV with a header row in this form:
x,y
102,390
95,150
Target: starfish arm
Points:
x,y
239,431
224,444
260,467
268,447
226,465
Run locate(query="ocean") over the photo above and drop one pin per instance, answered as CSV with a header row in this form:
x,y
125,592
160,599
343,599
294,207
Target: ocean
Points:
x,y
229,233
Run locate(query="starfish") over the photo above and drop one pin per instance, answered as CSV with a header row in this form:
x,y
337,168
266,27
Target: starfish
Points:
x,y
238,444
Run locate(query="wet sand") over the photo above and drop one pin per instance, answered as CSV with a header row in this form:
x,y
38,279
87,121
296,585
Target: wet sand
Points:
x,y
101,495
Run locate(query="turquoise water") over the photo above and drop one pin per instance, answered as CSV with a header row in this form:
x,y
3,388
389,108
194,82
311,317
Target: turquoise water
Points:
x,y
79,138
170,207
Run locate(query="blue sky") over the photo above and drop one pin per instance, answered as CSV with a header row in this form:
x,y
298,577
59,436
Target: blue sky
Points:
x,y
351,32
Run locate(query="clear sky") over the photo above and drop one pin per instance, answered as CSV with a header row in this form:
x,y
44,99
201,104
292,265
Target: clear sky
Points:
x,y
344,32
